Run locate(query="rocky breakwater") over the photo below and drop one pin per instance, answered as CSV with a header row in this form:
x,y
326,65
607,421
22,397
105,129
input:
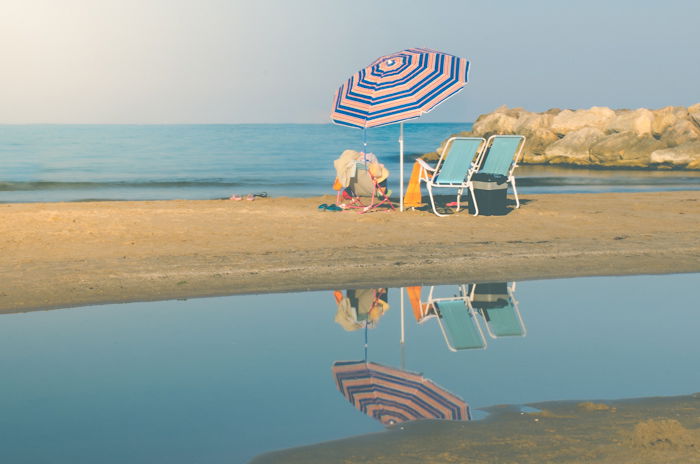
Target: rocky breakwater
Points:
x,y
667,138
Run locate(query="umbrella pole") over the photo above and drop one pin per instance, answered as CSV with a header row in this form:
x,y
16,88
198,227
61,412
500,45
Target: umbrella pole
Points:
x,y
366,342
401,170
403,330
403,338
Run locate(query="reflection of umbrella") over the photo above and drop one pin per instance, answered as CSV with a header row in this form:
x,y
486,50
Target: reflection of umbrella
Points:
x,y
392,395
398,87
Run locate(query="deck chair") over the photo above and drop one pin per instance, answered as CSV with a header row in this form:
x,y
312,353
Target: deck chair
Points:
x,y
500,158
366,189
457,163
458,322
499,308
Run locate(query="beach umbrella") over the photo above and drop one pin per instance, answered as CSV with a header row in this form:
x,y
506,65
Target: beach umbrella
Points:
x,y
398,87
393,395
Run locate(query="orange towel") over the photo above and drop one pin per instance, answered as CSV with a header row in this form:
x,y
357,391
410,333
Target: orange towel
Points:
x,y
414,298
413,197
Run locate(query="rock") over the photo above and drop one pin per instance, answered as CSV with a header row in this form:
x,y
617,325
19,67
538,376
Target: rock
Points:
x,y
666,117
536,142
528,123
568,121
624,149
599,136
681,132
638,121
494,123
679,156
512,112
694,111
574,148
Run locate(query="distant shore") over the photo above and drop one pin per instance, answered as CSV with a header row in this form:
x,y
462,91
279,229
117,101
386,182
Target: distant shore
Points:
x,y
70,254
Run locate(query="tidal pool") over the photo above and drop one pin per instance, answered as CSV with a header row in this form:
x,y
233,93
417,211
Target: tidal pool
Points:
x,y
227,379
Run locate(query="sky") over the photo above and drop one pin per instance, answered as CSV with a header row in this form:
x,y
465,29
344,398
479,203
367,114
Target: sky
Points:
x,y
280,61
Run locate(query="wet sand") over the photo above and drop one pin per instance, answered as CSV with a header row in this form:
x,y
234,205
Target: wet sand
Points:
x,y
642,431
69,254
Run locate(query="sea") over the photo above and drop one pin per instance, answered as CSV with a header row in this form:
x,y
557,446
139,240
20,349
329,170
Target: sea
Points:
x,y
47,163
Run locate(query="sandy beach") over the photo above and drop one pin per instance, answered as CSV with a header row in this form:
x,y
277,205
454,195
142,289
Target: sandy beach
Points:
x,y
69,254
638,431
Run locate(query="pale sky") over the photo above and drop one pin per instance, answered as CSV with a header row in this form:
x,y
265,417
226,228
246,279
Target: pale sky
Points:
x,y
264,61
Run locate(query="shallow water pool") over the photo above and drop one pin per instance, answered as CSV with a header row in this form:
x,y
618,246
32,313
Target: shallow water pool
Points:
x,y
225,379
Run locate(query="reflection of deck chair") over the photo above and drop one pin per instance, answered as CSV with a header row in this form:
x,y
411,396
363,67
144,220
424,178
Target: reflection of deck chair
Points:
x,y
361,307
458,321
365,188
497,304
454,169
499,159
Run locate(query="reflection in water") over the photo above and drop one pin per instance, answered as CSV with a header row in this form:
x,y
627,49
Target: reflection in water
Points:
x,y
458,316
360,308
225,379
393,395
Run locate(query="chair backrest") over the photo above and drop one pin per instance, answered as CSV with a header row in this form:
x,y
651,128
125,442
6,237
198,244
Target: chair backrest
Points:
x,y
504,322
456,159
460,326
501,153
361,184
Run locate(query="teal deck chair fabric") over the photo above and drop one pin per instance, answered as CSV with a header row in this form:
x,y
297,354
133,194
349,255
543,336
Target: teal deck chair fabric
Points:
x,y
459,326
500,155
504,322
458,160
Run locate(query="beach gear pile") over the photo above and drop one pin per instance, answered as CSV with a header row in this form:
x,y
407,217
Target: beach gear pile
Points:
x,y
361,182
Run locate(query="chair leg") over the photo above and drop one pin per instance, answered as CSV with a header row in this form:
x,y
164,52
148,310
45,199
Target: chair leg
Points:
x,y
476,206
515,192
459,198
432,201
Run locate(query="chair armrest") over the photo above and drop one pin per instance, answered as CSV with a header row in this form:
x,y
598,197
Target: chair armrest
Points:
x,y
425,165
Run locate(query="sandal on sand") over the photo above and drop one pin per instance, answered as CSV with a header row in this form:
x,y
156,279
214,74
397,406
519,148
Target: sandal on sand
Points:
x,y
250,197
334,208
322,207
261,194
235,197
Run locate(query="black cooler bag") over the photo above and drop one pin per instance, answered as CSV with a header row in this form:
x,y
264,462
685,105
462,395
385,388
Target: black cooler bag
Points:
x,y
491,191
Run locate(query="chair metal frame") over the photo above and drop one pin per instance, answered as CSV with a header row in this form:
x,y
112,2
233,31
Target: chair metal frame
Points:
x,y
511,295
514,163
467,303
355,202
430,175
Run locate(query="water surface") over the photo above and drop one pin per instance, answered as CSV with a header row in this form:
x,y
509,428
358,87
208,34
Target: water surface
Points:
x,y
161,162
226,379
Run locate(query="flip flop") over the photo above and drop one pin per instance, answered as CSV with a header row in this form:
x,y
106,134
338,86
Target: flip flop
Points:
x,y
334,208
250,197
261,194
322,207
235,197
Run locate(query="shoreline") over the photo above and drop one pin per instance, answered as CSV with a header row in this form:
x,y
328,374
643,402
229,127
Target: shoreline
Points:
x,y
624,431
56,255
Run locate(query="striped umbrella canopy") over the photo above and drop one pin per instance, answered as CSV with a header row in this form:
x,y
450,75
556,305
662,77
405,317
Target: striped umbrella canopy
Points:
x,y
393,395
398,87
